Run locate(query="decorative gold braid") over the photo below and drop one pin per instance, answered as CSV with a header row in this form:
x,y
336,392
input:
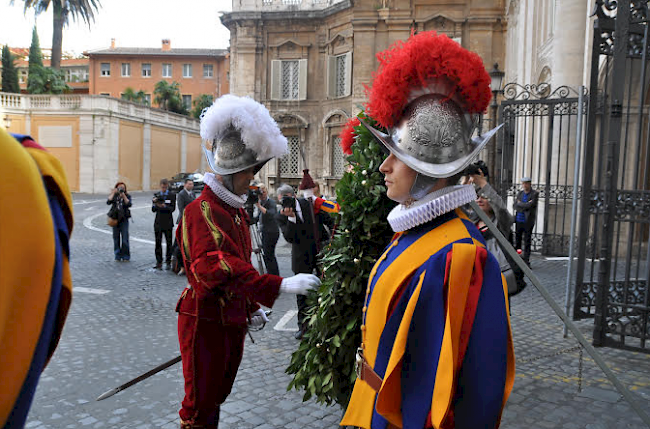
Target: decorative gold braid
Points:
x,y
216,234
207,216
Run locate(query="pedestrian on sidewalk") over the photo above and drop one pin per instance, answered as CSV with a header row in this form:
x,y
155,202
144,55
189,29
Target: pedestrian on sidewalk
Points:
x,y
163,204
436,345
120,201
525,207
224,290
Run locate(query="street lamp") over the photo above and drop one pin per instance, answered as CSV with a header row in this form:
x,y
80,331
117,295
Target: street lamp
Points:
x,y
496,79
7,122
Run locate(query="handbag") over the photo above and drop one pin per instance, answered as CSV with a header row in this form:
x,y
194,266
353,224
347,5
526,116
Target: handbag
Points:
x,y
112,217
111,221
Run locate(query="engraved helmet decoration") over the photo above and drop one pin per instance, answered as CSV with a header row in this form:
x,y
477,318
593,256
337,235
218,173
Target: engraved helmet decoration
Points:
x,y
429,93
242,133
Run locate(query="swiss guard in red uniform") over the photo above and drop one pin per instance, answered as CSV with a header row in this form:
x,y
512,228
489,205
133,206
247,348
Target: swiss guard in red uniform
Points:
x,y
224,290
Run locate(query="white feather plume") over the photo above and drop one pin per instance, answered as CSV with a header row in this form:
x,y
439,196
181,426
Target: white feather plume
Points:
x,y
258,129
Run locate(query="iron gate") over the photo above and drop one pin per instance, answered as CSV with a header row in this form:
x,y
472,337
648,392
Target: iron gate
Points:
x,y
613,254
537,140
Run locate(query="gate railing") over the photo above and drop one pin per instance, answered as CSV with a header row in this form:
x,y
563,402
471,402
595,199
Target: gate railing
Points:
x,y
537,141
613,264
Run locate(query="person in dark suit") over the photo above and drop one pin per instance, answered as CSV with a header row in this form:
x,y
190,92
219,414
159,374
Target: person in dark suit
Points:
x,y
302,228
525,207
163,204
184,197
268,223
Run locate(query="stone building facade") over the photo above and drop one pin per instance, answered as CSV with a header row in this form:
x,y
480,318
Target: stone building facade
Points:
x,y
308,61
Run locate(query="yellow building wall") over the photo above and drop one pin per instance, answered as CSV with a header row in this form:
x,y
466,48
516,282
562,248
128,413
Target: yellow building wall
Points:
x,y
194,153
17,124
66,150
165,154
130,166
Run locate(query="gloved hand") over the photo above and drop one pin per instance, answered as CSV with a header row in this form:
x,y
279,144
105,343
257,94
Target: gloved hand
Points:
x,y
258,318
299,284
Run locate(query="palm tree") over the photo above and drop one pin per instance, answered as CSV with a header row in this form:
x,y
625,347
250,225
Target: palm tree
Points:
x,y
62,11
204,100
168,97
137,97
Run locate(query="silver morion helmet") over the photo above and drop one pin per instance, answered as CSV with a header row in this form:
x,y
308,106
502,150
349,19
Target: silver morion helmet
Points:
x,y
229,155
242,133
434,136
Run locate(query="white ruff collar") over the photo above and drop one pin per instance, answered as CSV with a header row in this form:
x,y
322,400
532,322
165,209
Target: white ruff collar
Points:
x,y
435,204
236,201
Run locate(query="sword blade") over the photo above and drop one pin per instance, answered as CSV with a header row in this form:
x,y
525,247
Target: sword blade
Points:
x,y
139,378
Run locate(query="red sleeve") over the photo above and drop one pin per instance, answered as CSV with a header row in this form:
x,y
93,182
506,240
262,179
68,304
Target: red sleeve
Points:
x,y
213,263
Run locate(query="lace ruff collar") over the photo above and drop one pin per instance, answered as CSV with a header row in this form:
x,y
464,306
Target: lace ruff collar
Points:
x,y
437,203
224,194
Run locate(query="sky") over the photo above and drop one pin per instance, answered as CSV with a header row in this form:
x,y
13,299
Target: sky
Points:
x,y
132,23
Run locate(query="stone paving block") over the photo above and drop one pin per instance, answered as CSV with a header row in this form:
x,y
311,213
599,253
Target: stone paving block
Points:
x,y
600,394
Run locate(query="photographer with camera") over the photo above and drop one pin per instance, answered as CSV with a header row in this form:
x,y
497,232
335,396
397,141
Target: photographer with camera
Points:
x,y
120,201
267,221
163,204
303,228
494,206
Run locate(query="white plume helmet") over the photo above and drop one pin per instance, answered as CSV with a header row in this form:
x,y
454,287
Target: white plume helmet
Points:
x,y
243,135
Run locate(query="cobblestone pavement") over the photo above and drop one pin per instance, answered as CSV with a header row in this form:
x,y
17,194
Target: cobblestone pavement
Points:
x,y
122,323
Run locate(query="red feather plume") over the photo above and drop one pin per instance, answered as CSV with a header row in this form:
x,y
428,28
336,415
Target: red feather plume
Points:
x,y
417,63
348,134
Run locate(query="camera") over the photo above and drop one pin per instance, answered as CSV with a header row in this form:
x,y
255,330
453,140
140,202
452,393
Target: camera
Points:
x,y
252,198
288,202
120,190
253,195
157,198
477,168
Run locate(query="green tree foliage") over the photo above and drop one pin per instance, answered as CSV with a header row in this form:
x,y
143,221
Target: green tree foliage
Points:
x,y
139,97
9,72
62,11
45,80
35,61
168,97
41,79
204,100
323,365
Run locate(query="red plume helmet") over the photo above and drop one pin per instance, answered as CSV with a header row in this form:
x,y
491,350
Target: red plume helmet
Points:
x,y
428,93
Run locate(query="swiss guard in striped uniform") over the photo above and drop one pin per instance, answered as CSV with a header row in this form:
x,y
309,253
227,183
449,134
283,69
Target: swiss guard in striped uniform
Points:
x,y
35,281
436,347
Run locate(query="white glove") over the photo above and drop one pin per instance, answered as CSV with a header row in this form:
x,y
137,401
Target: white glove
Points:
x,y
258,318
299,284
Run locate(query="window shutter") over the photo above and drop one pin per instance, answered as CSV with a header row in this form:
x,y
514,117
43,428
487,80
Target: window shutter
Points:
x,y
330,78
348,74
302,80
276,76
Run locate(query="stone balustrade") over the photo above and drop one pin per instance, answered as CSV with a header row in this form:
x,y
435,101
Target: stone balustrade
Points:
x,y
42,103
282,5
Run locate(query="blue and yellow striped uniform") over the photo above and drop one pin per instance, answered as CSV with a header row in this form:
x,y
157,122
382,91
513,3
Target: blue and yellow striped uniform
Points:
x,y
437,332
35,283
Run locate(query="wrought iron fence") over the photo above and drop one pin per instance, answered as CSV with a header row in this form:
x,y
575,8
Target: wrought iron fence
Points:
x,y
613,253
